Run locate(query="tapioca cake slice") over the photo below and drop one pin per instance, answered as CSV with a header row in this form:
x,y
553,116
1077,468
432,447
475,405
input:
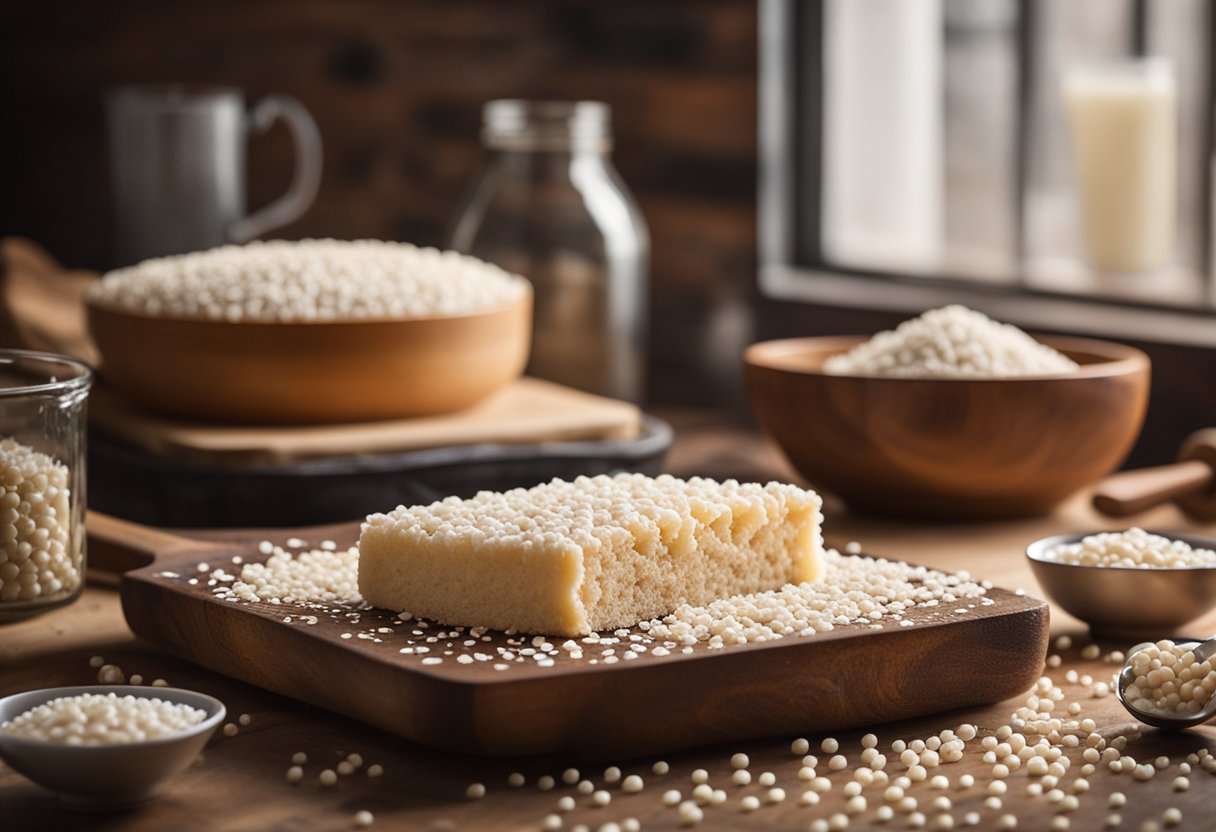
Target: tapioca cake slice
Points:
x,y
597,553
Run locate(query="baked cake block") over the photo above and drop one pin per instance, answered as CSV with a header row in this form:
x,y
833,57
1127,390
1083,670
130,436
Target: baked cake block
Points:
x,y
570,558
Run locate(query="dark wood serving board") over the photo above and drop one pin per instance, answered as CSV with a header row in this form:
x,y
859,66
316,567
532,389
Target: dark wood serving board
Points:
x,y
854,675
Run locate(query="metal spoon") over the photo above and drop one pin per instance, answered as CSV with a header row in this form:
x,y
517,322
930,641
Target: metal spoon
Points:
x,y
1161,719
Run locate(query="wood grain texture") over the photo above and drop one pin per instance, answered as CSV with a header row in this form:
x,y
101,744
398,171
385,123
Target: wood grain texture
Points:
x,y
853,675
239,785
950,448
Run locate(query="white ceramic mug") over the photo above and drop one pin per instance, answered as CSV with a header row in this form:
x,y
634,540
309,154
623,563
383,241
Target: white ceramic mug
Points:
x,y
177,164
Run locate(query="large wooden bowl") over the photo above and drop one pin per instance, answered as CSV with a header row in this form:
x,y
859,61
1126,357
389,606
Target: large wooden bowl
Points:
x,y
300,373
950,448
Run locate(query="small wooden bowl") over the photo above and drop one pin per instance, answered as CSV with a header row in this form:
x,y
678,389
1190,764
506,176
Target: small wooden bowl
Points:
x,y
950,448
309,373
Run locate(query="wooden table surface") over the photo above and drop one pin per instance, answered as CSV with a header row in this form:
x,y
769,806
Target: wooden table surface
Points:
x,y
239,783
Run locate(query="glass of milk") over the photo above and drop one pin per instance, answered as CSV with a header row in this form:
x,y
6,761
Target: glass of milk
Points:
x,y
1123,121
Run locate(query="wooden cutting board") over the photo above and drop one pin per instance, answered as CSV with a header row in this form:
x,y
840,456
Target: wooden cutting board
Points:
x,y
526,411
349,661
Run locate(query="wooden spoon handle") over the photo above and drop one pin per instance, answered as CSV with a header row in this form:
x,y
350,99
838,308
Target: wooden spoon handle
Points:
x,y
1131,492
117,546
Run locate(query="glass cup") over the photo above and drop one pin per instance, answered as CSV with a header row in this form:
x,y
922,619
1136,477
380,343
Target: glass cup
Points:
x,y
42,481
1123,121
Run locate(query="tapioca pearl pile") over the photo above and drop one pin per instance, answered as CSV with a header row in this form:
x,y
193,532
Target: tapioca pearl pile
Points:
x,y
1133,549
103,719
1169,678
854,589
951,342
317,576
310,280
37,559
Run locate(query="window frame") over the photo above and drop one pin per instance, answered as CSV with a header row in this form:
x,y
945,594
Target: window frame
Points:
x,y
791,265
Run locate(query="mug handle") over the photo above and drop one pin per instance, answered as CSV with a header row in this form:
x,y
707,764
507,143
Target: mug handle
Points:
x,y
307,177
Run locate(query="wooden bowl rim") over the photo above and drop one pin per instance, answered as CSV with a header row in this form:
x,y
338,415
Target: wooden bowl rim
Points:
x,y
95,308
1121,359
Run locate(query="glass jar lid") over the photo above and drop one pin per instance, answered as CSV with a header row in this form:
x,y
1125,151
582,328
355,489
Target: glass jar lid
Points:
x,y
518,124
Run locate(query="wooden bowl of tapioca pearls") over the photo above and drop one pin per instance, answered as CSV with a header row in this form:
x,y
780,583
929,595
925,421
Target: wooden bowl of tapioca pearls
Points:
x,y
950,448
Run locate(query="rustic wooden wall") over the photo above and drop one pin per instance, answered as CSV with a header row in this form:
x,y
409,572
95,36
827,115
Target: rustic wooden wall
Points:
x,y
396,86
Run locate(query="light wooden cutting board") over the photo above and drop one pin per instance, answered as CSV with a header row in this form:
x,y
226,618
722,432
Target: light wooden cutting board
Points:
x,y
527,411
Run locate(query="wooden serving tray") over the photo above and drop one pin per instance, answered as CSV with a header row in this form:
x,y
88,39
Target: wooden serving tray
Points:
x,y
348,661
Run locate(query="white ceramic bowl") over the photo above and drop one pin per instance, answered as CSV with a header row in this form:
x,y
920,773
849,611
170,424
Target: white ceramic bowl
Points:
x,y
105,777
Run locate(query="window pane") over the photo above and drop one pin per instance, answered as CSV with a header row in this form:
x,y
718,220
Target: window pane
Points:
x,y
1111,139
919,133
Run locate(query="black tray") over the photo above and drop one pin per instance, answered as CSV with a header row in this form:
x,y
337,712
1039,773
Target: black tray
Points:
x,y
133,484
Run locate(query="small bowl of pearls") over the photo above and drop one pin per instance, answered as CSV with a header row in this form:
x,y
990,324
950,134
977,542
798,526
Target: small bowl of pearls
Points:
x,y
1132,582
105,747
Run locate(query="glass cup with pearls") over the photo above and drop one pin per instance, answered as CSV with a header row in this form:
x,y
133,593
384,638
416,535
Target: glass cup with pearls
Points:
x,y
42,481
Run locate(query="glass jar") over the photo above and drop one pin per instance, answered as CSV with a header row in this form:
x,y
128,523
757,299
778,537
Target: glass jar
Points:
x,y
549,205
42,481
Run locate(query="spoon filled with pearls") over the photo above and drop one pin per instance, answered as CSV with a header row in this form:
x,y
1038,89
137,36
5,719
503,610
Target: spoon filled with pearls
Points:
x,y
1170,684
